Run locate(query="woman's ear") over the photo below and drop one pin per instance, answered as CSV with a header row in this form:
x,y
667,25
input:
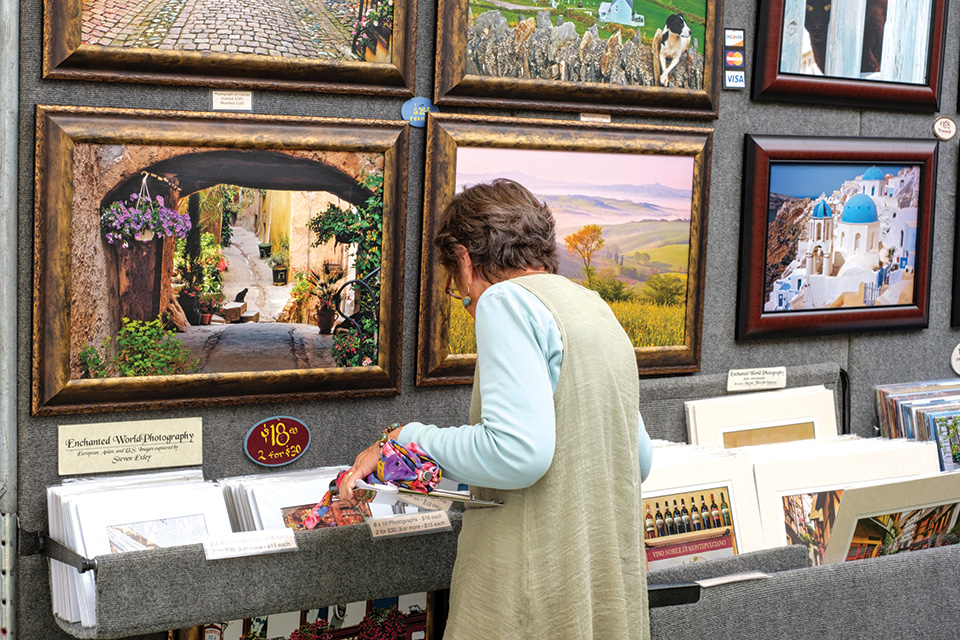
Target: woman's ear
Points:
x,y
465,274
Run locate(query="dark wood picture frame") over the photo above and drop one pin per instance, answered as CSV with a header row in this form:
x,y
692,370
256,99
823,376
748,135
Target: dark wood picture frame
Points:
x,y
61,130
435,364
455,87
66,57
955,300
763,151
769,83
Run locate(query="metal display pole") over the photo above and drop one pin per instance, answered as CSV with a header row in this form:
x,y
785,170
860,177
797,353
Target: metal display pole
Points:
x,y
9,96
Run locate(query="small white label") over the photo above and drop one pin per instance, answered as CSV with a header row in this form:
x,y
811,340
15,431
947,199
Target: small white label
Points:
x,y
944,128
410,524
955,359
426,502
734,577
125,446
249,543
232,101
756,379
733,37
594,117
734,79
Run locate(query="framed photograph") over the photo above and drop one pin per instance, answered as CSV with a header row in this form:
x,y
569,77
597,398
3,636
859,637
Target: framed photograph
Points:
x,y
188,259
624,56
865,53
309,45
955,300
836,235
637,192
896,516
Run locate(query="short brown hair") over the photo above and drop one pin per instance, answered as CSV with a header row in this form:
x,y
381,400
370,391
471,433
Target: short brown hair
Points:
x,y
502,226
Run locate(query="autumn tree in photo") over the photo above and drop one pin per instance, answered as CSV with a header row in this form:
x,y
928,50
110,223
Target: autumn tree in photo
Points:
x,y
584,242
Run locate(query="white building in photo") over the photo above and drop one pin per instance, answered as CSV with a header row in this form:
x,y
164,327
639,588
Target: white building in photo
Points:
x,y
857,247
620,12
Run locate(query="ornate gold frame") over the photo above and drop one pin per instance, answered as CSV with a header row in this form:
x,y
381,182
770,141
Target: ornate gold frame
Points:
x,y
435,365
59,129
65,57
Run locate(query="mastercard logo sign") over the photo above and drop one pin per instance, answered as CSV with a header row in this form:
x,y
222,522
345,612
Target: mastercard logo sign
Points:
x,y
734,59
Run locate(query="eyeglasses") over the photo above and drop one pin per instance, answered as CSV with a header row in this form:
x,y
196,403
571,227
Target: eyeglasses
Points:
x,y
451,289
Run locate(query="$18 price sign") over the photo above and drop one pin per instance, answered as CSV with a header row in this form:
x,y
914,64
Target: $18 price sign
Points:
x,y
277,441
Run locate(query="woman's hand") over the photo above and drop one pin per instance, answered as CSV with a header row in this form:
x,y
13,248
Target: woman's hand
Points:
x,y
364,465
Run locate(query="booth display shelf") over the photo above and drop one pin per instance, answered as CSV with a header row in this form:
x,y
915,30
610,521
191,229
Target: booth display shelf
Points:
x,y
143,592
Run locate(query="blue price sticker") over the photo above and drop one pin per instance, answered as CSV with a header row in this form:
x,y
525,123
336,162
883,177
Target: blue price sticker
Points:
x,y
415,111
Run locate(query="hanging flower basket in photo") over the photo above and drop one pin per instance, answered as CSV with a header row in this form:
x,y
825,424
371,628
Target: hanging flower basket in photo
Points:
x,y
142,217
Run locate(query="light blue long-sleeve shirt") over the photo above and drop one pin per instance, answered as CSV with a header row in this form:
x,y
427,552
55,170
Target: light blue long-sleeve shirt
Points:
x,y
519,353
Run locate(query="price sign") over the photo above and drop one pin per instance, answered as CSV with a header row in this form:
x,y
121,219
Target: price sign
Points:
x,y
415,111
277,441
944,128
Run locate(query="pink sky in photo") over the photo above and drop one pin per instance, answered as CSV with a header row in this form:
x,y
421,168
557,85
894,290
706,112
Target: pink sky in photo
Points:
x,y
596,168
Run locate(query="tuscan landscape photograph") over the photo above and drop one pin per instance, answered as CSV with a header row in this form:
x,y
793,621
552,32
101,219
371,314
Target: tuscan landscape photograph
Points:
x,y
622,229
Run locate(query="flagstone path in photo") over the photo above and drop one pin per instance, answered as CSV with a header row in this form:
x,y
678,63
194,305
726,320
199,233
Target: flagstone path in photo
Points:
x,y
256,346
281,28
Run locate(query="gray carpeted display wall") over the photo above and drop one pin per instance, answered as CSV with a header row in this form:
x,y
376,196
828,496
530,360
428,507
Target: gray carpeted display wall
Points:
x,y
340,428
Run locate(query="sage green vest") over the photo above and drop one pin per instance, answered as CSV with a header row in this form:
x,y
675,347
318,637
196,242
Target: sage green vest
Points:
x,y
563,559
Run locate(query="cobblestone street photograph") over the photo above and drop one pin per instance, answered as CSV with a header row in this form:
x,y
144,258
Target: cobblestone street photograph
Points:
x,y
279,28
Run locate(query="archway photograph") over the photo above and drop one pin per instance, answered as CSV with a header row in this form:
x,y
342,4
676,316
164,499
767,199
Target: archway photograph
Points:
x,y
198,259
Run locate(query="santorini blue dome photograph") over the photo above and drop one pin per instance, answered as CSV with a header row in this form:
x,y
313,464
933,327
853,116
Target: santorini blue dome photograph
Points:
x,y
859,209
836,237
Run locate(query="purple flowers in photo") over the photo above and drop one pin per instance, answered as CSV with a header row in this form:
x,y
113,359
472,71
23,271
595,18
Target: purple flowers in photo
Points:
x,y
142,217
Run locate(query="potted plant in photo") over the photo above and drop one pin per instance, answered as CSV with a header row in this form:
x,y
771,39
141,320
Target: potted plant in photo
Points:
x,y
188,297
142,218
323,288
340,224
279,260
209,303
265,247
